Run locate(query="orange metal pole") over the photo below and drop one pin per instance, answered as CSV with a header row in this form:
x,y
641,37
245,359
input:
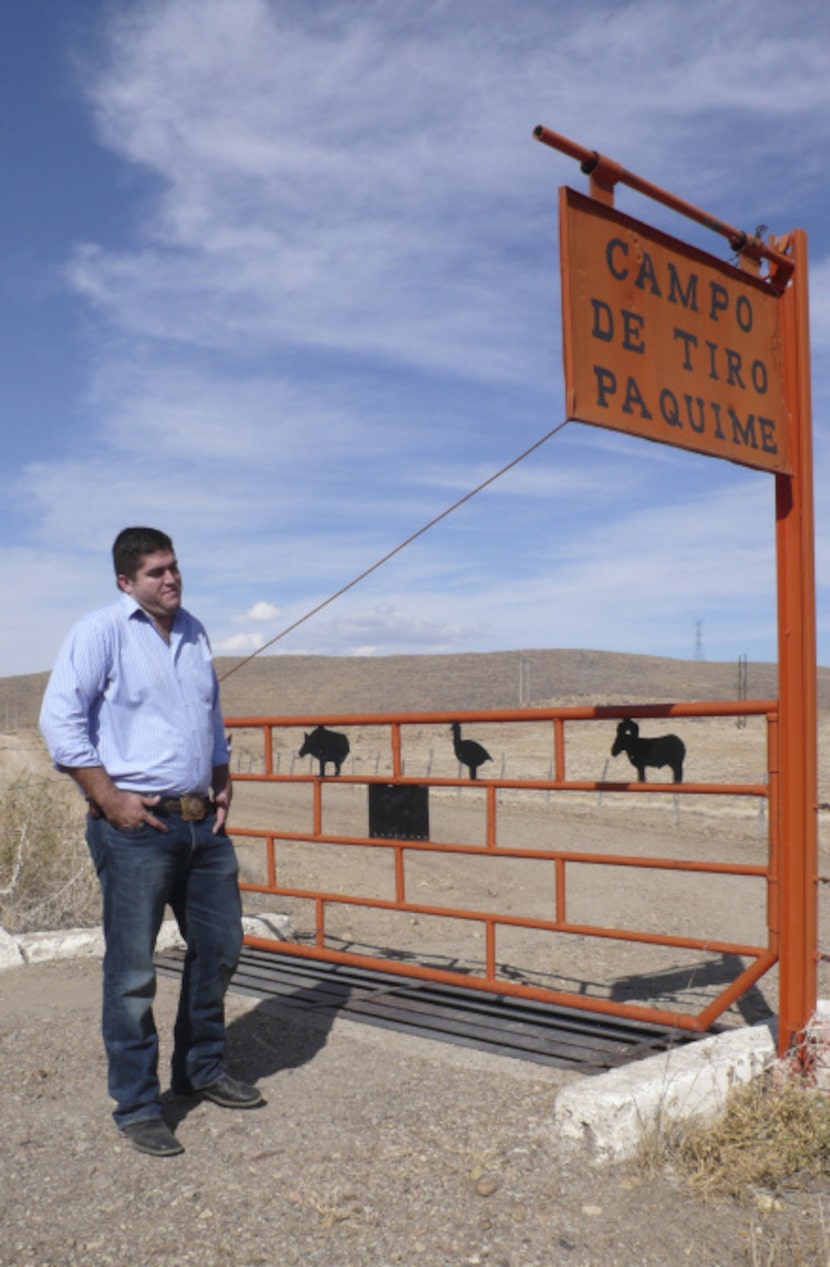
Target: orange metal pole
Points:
x,y
491,816
396,750
400,880
604,173
490,953
774,834
582,712
317,801
798,801
559,866
559,747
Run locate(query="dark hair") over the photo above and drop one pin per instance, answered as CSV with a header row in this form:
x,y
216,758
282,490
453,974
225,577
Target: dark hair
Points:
x,y
132,544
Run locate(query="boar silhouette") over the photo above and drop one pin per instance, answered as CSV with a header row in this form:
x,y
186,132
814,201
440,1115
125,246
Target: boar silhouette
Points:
x,y
327,746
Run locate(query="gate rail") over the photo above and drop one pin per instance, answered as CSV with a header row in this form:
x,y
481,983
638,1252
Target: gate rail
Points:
x,y
762,957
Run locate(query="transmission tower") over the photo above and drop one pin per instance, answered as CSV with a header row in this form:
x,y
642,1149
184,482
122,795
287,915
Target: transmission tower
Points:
x,y
699,640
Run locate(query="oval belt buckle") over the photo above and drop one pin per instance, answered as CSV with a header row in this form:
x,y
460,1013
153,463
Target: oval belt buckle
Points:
x,y
194,808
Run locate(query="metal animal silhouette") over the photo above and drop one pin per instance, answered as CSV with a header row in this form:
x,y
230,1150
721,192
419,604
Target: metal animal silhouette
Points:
x,y
469,753
663,750
327,746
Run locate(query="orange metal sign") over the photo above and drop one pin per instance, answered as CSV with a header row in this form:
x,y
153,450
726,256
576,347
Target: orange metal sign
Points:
x,y
664,341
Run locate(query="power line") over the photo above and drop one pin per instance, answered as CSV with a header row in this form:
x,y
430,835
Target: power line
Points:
x,y
391,554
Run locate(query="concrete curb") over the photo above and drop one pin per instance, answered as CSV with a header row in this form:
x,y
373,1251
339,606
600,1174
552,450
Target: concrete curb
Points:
x,y
88,943
611,1114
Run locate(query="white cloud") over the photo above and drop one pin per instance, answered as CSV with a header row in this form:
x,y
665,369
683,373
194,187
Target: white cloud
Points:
x,y
310,171
238,644
383,629
262,611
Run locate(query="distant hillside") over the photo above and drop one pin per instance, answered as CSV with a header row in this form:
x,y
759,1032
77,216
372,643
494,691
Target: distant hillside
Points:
x,y
273,684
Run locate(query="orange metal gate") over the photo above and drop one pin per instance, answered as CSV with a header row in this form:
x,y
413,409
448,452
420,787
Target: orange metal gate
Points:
x,y
407,880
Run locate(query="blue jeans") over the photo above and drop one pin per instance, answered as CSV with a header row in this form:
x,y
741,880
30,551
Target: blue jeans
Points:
x,y
141,871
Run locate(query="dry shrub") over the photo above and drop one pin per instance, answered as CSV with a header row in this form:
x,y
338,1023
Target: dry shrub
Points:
x,y
770,1130
47,880
772,1138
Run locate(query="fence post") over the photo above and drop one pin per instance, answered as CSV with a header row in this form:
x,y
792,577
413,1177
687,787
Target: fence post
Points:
x,y
797,677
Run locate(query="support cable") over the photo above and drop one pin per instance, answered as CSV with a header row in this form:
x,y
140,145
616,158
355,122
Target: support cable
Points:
x,y
391,553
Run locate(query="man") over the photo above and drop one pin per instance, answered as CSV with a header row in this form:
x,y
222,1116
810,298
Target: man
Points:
x,y
132,714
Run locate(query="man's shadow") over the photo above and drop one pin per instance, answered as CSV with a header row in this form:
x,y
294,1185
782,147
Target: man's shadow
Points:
x,y
280,1033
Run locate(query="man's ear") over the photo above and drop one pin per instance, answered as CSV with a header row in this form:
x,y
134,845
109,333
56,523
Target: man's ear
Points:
x,y
124,583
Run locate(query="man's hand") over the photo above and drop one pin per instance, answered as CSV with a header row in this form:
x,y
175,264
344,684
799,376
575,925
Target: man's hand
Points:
x,y
222,795
127,810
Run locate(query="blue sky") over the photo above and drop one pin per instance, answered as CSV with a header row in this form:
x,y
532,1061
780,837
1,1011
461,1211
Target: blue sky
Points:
x,y
281,277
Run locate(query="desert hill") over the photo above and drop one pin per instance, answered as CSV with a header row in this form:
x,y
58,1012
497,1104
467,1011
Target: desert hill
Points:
x,y
293,685
496,679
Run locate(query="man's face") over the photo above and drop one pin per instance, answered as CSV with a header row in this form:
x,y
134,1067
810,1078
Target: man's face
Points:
x,y
156,586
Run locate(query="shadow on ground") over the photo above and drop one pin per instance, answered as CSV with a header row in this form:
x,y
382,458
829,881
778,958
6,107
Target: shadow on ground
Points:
x,y
260,1043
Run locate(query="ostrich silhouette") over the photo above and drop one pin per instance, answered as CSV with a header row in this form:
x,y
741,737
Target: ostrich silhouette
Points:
x,y
469,753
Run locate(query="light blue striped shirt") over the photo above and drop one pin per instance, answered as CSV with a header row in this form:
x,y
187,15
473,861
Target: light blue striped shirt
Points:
x,y
121,698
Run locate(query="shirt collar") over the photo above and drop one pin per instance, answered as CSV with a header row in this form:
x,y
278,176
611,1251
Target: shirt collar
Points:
x,y
134,610
130,605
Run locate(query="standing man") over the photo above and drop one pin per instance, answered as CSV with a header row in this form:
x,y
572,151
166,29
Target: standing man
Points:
x,y
132,714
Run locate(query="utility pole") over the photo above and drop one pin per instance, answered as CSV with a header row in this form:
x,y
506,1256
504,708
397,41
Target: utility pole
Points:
x,y
743,685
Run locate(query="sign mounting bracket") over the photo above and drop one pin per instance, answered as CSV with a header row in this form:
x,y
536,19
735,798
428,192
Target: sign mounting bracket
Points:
x,y
604,174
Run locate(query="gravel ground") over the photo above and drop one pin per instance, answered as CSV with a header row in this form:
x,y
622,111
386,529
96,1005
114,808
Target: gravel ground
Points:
x,y
374,1148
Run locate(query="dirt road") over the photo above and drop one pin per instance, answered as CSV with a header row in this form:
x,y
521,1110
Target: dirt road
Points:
x,y
374,1148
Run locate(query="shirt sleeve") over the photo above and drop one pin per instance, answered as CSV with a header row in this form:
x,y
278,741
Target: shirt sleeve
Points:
x,y
221,748
221,751
75,688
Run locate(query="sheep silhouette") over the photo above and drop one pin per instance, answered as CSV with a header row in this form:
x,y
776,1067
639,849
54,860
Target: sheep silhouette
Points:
x,y
468,752
327,746
657,752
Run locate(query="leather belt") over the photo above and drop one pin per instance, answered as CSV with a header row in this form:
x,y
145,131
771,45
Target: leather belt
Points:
x,y
193,807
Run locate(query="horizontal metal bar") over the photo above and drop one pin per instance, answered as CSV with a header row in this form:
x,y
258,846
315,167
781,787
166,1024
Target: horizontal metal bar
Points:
x,y
505,851
588,712
504,920
529,785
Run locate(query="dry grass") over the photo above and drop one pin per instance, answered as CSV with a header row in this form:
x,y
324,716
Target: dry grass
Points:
x,y
772,1139
770,1130
46,876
